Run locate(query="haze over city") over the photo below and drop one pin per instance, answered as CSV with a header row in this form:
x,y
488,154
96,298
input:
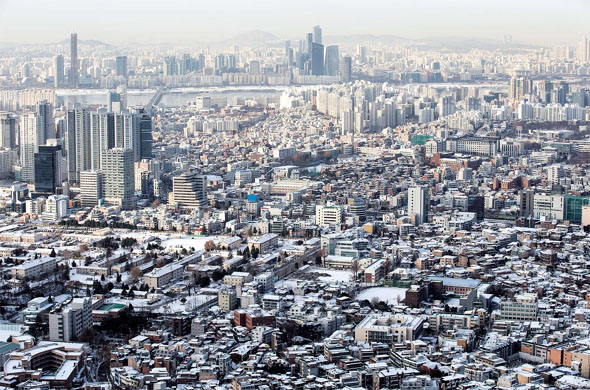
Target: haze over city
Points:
x,y
198,22
310,195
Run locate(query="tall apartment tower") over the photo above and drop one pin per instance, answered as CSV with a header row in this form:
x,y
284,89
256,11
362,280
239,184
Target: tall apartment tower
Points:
x,y
418,204
78,142
58,71
45,111
74,75
31,136
583,52
7,130
119,178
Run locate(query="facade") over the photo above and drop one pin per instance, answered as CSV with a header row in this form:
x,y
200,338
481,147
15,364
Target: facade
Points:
x,y
47,171
189,191
524,307
418,204
91,188
388,329
162,276
34,268
328,216
68,323
119,179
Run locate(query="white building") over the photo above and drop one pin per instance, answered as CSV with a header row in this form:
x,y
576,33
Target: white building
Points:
x,y
418,204
68,323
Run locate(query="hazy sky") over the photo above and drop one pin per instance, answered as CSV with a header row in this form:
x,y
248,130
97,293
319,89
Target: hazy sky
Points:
x,y
185,21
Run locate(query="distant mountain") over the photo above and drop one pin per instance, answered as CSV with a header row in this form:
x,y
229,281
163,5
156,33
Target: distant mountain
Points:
x,y
250,38
365,39
462,43
87,42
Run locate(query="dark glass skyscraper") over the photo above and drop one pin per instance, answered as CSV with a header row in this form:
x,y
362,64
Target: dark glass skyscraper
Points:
x,y
317,59
47,169
332,60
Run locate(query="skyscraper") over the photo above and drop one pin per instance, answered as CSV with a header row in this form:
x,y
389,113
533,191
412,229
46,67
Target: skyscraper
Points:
x,y
74,76
58,71
346,69
144,122
7,130
119,178
418,204
78,142
45,111
121,65
332,60
583,52
309,44
317,59
31,136
317,35
47,169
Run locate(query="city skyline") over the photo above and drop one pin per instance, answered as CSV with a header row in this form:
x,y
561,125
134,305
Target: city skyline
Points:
x,y
20,23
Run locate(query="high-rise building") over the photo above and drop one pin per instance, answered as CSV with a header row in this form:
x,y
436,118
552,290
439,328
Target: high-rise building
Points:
x,y
144,122
74,75
45,111
58,71
121,66
519,87
189,191
345,69
102,137
317,59
308,44
119,178
332,60
418,204
48,169
31,136
317,35
7,130
583,52
78,142
91,188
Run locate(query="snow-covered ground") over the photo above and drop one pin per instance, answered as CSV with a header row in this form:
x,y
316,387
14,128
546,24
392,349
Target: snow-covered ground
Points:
x,y
187,242
384,294
335,275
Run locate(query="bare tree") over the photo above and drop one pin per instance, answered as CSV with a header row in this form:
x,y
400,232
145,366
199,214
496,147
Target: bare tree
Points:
x,y
135,274
354,267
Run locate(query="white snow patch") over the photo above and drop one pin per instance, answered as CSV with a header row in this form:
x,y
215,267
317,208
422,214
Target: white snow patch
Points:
x,y
384,294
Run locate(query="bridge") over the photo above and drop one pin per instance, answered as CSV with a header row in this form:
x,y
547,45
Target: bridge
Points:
x,y
155,99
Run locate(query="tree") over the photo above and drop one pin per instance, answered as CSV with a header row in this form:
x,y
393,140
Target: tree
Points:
x,y
136,274
354,267
204,281
255,253
118,277
53,254
209,245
